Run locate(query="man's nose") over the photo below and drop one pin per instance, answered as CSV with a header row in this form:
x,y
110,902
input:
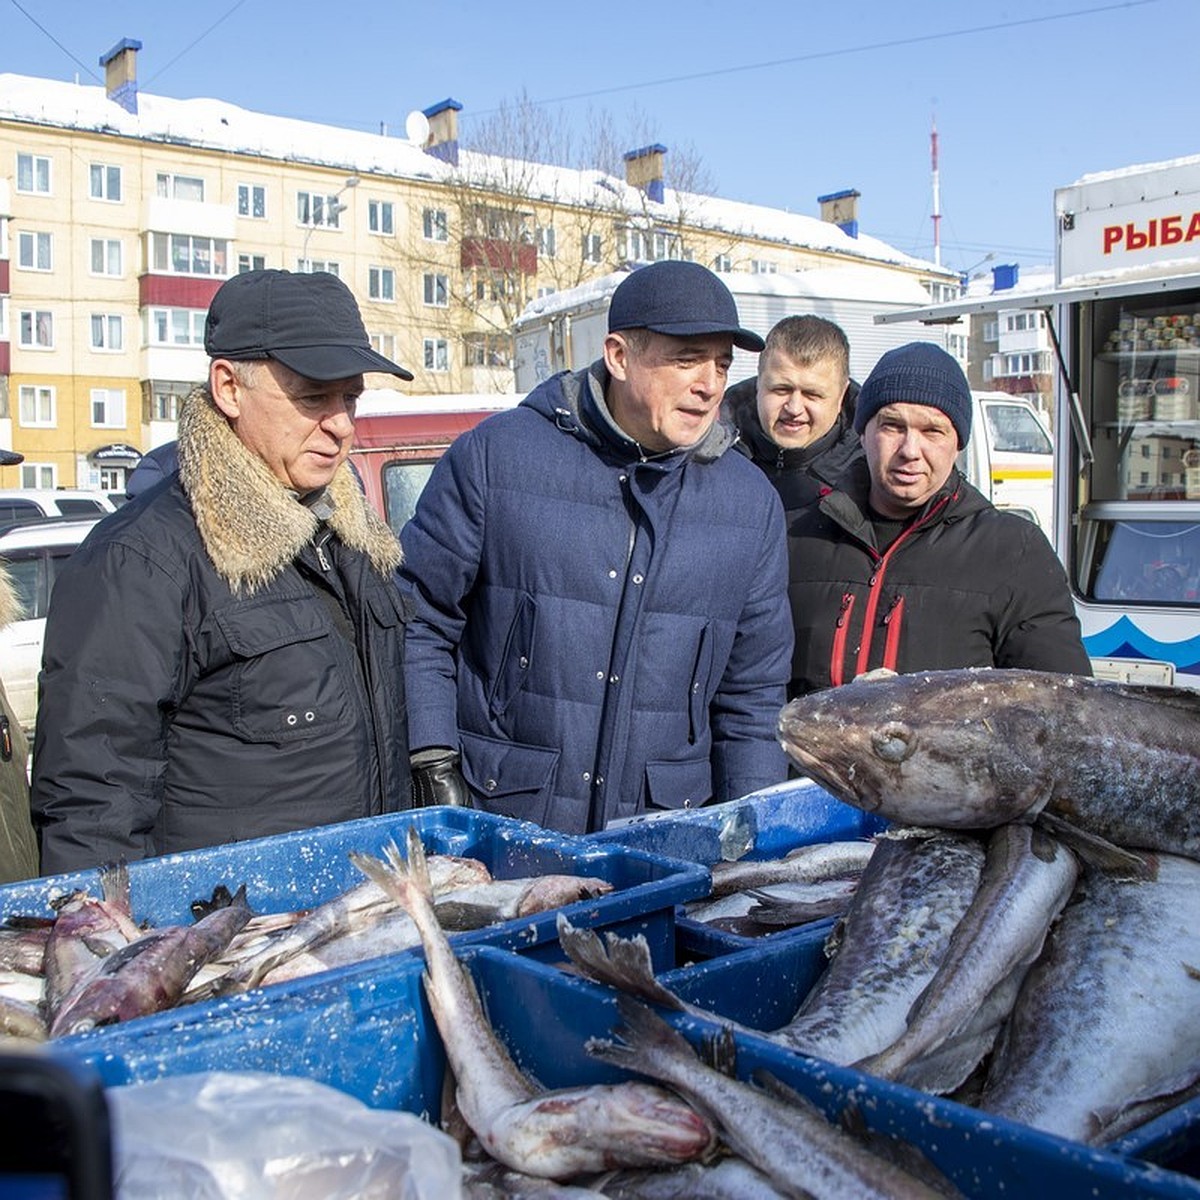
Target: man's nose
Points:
x,y
339,421
710,379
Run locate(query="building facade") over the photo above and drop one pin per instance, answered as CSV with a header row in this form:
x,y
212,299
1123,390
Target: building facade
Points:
x,y
121,214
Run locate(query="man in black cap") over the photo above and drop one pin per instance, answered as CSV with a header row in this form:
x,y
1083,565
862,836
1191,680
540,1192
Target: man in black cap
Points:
x,y
223,658
601,614
905,565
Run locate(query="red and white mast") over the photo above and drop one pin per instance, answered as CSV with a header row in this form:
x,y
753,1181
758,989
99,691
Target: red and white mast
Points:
x,y
937,209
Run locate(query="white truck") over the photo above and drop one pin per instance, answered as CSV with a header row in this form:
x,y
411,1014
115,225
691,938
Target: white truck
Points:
x,y
1125,318
1009,459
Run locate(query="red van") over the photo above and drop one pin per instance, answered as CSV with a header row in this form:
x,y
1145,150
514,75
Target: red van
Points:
x,y
398,438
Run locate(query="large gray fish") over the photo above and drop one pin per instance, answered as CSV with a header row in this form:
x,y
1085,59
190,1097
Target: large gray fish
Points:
x,y
776,904
817,863
149,974
973,749
793,1145
1107,1016
915,890
1027,878
557,1134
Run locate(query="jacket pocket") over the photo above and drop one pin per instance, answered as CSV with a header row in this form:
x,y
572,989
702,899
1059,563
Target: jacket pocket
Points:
x,y
515,663
509,778
698,688
678,784
287,678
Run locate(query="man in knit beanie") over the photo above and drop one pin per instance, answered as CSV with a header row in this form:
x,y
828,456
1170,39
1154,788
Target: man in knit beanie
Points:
x,y
905,565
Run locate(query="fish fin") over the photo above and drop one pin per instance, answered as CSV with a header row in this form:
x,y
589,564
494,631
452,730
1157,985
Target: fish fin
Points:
x,y
640,1028
1115,1122
97,946
220,898
1099,852
719,1051
114,884
398,876
622,963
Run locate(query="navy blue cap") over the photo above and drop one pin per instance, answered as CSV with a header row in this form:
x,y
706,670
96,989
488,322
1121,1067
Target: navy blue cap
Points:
x,y
917,373
682,299
10,458
308,322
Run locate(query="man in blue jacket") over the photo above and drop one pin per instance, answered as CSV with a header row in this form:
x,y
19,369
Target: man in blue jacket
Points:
x,y
602,621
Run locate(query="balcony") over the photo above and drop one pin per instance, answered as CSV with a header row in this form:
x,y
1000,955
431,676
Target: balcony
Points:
x,y
199,218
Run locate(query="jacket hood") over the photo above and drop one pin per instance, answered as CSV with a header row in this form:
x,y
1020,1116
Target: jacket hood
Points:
x,y
251,525
576,402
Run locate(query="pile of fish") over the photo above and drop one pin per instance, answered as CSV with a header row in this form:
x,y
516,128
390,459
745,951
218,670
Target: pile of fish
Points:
x,y
91,964
704,1133
1028,938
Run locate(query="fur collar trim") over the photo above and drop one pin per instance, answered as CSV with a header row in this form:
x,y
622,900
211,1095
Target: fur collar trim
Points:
x,y
9,608
250,524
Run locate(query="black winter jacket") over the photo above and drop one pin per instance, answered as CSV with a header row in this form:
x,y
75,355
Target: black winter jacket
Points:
x,y
219,666
965,585
800,476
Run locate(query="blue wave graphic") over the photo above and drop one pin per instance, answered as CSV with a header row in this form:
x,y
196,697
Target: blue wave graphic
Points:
x,y
1123,639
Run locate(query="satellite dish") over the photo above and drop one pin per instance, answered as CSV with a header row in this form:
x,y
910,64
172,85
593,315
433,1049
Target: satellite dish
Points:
x,y
416,127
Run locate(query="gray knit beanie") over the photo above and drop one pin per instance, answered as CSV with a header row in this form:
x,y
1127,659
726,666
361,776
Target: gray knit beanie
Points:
x,y
919,373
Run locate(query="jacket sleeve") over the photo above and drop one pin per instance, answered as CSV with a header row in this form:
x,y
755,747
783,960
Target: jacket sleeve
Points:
x,y
1040,631
746,754
111,663
442,545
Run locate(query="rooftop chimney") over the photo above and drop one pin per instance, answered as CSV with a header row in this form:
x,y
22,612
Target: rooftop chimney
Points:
x,y
644,170
841,209
443,131
120,73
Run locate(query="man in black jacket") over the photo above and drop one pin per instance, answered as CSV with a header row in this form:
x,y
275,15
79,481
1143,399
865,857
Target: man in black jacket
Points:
x,y
796,417
906,565
224,655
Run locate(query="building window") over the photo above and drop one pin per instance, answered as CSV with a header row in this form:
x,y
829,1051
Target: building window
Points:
x,y
35,251
547,242
36,406
104,182
593,248
761,266
380,216
991,331
108,331
542,292
33,174
178,187
108,407
493,285
183,254
165,399
641,245
176,326
385,344
251,262
106,256
437,354
436,290
37,329
307,266
434,225
318,210
39,475
381,283
723,263
487,349
252,200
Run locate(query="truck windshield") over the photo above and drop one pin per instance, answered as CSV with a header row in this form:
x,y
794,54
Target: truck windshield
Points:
x,y
1015,430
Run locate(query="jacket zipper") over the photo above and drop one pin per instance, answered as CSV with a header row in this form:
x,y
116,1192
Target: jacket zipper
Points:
x,y
875,584
840,633
893,622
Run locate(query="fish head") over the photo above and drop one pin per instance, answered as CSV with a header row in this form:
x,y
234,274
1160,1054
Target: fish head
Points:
x,y
957,749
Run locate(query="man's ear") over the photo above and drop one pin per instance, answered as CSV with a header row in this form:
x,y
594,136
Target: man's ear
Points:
x,y
616,356
225,388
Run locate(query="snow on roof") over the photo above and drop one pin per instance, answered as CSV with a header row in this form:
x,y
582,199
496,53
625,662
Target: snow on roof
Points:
x,y
217,125
1190,160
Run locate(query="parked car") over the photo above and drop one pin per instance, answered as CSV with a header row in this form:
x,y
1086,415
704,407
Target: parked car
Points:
x,y
34,504
33,552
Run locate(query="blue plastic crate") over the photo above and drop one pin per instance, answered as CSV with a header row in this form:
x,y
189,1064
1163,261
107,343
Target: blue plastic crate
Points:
x,y
303,869
1171,1140
373,1037
765,824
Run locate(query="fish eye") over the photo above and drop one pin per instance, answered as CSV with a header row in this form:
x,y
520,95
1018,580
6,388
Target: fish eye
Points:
x,y
894,742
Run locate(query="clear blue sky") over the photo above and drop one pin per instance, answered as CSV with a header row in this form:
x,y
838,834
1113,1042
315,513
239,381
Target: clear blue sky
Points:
x,y
781,100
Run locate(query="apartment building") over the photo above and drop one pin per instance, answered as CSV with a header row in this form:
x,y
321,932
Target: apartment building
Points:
x,y
122,213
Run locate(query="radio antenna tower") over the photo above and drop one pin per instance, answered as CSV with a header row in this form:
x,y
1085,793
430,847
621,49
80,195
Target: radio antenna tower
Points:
x,y
937,209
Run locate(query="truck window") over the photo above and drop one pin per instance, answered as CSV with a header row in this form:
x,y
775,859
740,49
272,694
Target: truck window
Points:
x,y
403,482
1138,536
1015,430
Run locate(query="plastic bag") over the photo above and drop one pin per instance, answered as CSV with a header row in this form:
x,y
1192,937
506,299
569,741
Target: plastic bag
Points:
x,y
224,1135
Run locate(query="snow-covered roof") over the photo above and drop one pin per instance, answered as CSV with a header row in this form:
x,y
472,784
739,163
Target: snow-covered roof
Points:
x,y
217,125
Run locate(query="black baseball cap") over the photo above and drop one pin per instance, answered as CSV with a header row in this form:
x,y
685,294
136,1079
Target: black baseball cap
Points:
x,y
308,321
10,458
682,299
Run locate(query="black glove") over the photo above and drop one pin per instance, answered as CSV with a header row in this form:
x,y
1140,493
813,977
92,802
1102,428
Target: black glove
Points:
x,y
436,779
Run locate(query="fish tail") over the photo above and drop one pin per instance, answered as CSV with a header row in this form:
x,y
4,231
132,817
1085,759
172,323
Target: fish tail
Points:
x,y
406,880
622,963
642,1033
114,884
